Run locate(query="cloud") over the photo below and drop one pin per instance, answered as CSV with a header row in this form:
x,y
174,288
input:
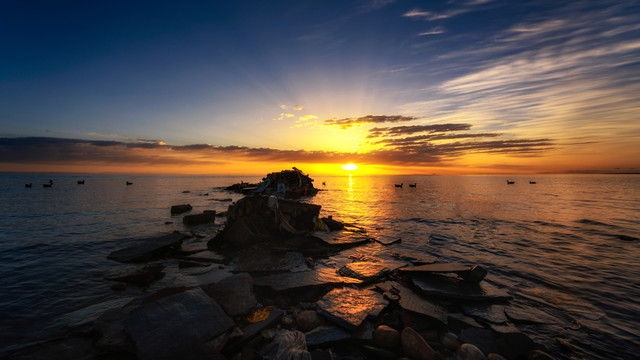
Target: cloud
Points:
x,y
427,138
297,107
283,116
306,120
376,4
284,107
407,130
369,119
434,31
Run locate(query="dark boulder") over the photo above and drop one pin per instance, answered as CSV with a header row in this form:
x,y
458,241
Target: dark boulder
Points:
x,y
208,216
140,277
179,209
148,248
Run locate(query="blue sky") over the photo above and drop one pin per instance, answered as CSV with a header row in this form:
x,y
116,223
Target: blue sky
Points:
x,y
268,75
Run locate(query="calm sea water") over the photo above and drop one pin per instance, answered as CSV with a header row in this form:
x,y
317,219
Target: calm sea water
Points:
x,y
569,244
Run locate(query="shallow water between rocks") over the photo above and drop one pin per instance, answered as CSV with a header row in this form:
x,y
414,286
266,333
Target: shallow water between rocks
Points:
x,y
567,246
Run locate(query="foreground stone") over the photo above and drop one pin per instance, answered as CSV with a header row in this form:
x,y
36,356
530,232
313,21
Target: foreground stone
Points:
x,y
140,277
148,248
469,352
297,280
177,326
349,307
367,271
325,335
292,345
234,294
268,262
473,274
386,336
179,209
409,301
208,216
456,289
415,346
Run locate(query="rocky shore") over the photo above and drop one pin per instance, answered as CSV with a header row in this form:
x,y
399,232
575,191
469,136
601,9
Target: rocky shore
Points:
x,y
279,281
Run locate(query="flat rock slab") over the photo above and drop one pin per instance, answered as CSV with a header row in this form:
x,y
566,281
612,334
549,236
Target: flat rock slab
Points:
x,y
251,331
410,301
148,248
529,315
206,256
457,289
176,326
91,313
234,294
324,335
349,307
296,280
261,262
490,312
140,277
342,237
438,268
367,271
388,240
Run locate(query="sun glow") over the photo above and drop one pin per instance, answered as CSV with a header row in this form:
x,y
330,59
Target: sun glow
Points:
x,y
349,167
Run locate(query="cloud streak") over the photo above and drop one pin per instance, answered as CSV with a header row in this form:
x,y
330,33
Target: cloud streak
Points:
x,y
369,119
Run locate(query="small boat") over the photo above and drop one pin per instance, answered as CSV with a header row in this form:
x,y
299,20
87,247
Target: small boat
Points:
x,y
413,185
324,183
28,185
399,185
129,183
510,182
80,182
532,182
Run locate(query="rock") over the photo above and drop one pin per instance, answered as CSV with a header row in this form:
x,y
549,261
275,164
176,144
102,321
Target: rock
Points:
x,y
450,341
292,345
119,287
416,258
514,345
474,275
494,356
456,289
67,348
148,248
308,320
411,302
90,313
364,331
332,224
316,277
349,307
234,294
377,353
539,355
438,268
469,352
245,232
368,271
179,209
481,338
267,262
140,277
324,335
112,339
415,346
176,326
529,315
206,256
208,216
457,322
490,312
388,240
386,336
250,331
343,238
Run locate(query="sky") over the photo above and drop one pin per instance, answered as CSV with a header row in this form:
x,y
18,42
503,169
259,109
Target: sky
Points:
x,y
251,87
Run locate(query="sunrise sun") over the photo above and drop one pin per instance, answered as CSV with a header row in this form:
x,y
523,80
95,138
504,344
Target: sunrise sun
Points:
x,y
349,167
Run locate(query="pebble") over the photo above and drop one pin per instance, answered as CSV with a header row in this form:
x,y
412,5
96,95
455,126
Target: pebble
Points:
x,y
494,356
386,336
539,355
415,346
469,352
450,341
308,320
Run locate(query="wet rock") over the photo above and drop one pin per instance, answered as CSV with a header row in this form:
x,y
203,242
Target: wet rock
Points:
x,y
457,322
364,331
182,264
494,356
414,257
450,341
140,277
343,238
349,307
245,232
308,320
208,216
388,240
438,268
148,248
251,331
411,302
539,355
529,315
292,345
234,294
368,271
176,326
386,336
191,248
267,262
490,312
297,280
415,346
481,338
326,335
474,275
113,339
90,313
179,209
332,224
514,345
377,353
469,352
456,289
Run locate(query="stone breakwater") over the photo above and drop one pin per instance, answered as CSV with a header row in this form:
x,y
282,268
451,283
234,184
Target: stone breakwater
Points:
x,y
277,281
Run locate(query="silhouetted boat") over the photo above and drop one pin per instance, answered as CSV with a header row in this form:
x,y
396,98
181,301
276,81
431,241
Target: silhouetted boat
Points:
x,y
510,182
399,185
129,183
413,185
80,182
28,185
324,183
532,182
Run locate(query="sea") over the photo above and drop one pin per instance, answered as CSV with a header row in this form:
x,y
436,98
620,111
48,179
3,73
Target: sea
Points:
x,y
566,245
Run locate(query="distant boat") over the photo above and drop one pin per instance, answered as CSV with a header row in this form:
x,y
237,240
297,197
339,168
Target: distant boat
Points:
x,y
324,183
532,182
80,182
399,185
413,185
129,183
510,182
28,185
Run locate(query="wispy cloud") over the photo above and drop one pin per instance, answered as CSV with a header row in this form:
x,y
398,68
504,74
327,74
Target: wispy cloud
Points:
x,y
407,130
369,119
434,31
